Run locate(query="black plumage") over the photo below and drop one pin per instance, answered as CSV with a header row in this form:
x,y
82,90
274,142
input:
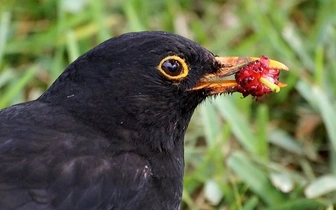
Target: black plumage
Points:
x,y
108,134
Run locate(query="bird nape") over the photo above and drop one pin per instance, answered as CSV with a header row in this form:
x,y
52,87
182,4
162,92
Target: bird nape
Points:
x,y
108,134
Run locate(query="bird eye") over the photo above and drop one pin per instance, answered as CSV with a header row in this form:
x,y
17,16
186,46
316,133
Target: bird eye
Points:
x,y
173,67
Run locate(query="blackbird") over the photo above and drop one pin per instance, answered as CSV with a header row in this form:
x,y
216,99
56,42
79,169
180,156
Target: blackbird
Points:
x,y
108,134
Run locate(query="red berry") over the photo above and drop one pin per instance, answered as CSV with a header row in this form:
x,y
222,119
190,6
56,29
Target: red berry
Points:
x,y
248,78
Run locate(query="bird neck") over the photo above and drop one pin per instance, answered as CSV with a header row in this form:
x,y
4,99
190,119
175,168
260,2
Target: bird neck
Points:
x,y
132,122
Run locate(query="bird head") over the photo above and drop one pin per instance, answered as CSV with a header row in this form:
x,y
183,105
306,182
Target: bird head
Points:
x,y
146,82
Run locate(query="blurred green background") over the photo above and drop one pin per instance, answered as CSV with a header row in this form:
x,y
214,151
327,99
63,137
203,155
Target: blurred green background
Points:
x,y
275,153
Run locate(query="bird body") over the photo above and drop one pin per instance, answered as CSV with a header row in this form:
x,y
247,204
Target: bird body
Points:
x,y
46,165
95,143
109,132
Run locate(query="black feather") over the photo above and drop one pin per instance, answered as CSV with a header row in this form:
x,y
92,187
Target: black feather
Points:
x,y
108,134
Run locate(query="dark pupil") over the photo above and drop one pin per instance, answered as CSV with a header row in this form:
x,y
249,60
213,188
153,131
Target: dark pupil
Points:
x,y
172,67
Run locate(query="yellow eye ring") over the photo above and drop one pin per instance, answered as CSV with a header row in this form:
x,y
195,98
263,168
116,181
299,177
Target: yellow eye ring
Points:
x,y
173,67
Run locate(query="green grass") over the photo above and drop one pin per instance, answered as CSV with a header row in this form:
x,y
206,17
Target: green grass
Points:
x,y
241,154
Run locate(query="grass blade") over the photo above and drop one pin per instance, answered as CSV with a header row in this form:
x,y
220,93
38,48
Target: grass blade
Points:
x,y
16,87
239,125
256,179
